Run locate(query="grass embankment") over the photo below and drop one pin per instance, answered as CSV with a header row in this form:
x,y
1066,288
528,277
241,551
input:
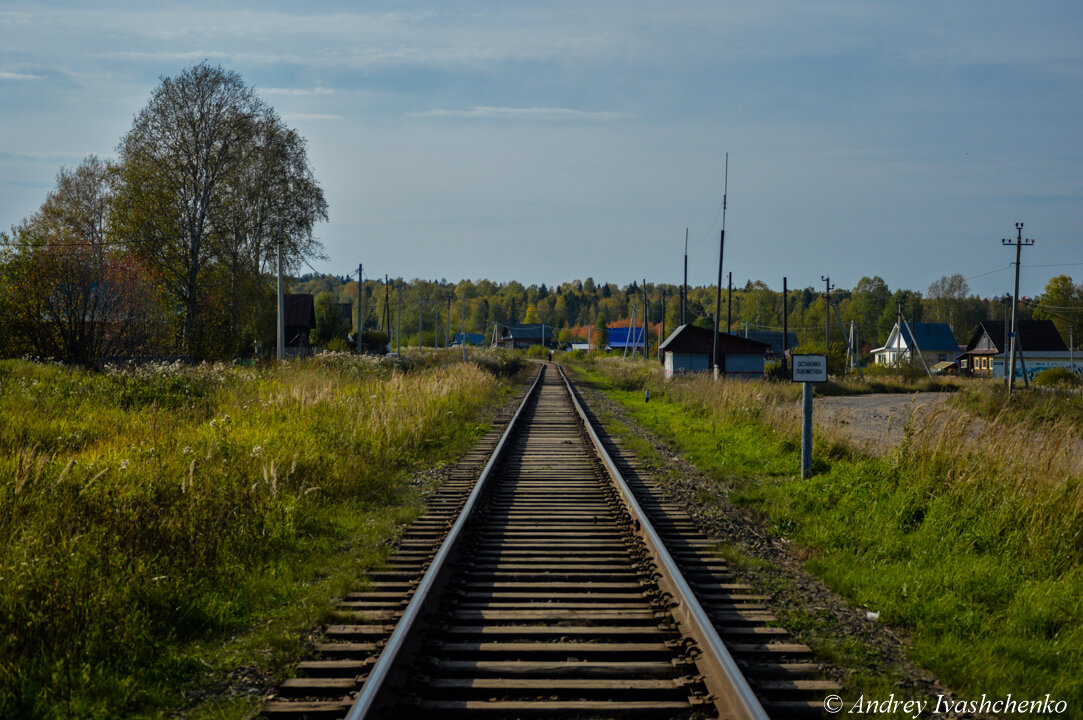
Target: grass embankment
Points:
x,y
970,544
166,527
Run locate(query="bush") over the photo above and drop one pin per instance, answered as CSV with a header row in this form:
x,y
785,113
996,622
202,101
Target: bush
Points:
x,y
1056,377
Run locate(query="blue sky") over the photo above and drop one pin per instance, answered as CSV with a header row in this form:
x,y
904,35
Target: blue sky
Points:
x,y
550,141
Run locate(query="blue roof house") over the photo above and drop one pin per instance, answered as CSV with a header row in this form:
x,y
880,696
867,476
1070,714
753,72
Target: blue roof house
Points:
x,y
934,341
623,338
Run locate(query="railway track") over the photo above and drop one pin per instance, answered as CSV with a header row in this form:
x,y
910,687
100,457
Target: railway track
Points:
x,y
540,584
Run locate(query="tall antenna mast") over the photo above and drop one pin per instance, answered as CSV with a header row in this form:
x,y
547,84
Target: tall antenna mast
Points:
x,y
684,288
721,248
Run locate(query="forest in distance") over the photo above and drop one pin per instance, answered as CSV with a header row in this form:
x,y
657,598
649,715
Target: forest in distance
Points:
x,y
574,308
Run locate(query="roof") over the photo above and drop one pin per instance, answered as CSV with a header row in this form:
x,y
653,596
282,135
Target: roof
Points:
x,y
1036,336
931,337
299,310
471,338
619,337
523,332
695,340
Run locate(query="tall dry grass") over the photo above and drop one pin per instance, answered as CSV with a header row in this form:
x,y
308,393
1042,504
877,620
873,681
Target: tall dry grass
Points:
x,y
149,506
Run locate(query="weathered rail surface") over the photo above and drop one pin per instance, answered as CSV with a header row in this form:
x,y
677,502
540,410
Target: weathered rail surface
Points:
x,y
560,592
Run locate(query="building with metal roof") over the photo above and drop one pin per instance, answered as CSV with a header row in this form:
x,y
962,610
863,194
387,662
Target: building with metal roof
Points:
x,y
1041,347
523,336
689,349
935,341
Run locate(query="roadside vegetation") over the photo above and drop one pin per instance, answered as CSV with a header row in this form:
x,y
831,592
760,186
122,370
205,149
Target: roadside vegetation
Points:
x,y
967,537
163,528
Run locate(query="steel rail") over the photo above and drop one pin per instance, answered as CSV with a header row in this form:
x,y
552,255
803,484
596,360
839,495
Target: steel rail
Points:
x,y
734,697
389,656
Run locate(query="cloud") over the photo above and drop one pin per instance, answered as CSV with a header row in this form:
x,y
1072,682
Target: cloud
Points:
x,y
311,116
4,75
510,113
298,91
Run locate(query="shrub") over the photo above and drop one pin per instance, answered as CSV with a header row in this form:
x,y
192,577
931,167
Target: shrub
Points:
x,y
1056,377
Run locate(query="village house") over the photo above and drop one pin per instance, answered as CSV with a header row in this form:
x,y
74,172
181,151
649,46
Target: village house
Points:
x,y
523,336
689,348
935,342
1041,346
625,338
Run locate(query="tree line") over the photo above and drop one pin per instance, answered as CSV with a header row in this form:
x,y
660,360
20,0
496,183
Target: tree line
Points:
x,y
574,308
168,249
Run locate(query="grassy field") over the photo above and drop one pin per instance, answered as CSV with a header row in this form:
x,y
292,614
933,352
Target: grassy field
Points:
x,y
166,530
971,544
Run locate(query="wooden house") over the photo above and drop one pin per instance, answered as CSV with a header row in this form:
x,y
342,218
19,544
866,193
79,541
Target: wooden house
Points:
x,y
523,336
1041,346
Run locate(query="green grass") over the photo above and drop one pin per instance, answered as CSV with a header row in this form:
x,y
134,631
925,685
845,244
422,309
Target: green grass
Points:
x,y
977,558
161,528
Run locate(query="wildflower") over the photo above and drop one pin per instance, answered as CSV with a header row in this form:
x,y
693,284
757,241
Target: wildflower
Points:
x,y
186,449
123,464
257,451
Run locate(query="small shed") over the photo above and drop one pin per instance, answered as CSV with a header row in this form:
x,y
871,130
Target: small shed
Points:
x,y
689,348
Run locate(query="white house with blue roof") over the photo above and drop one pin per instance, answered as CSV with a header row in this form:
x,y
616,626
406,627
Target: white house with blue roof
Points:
x,y
935,341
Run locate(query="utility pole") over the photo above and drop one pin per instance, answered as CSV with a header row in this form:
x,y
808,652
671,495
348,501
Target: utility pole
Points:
x,y
684,287
398,321
462,332
1016,346
785,327
447,330
827,313
360,304
420,309
721,248
436,325
281,344
646,316
662,335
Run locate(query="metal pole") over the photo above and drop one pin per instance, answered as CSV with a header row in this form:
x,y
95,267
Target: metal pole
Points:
x,y
729,302
684,288
718,287
806,430
360,305
281,344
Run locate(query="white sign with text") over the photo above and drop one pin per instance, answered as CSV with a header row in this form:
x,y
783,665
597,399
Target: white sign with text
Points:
x,y
809,368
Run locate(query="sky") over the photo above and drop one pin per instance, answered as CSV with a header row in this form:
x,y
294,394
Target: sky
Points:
x,y
545,142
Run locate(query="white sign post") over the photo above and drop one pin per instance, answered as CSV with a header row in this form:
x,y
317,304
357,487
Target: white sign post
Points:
x,y
807,369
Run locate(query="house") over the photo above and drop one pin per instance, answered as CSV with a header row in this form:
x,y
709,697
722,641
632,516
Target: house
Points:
x,y
625,338
523,336
299,317
1042,347
935,341
471,339
689,348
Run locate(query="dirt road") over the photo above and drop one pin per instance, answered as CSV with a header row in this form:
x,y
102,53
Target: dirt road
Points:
x,y
873,422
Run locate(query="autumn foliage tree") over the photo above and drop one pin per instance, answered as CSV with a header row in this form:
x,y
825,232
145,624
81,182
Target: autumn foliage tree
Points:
x,y
210,180
73,294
